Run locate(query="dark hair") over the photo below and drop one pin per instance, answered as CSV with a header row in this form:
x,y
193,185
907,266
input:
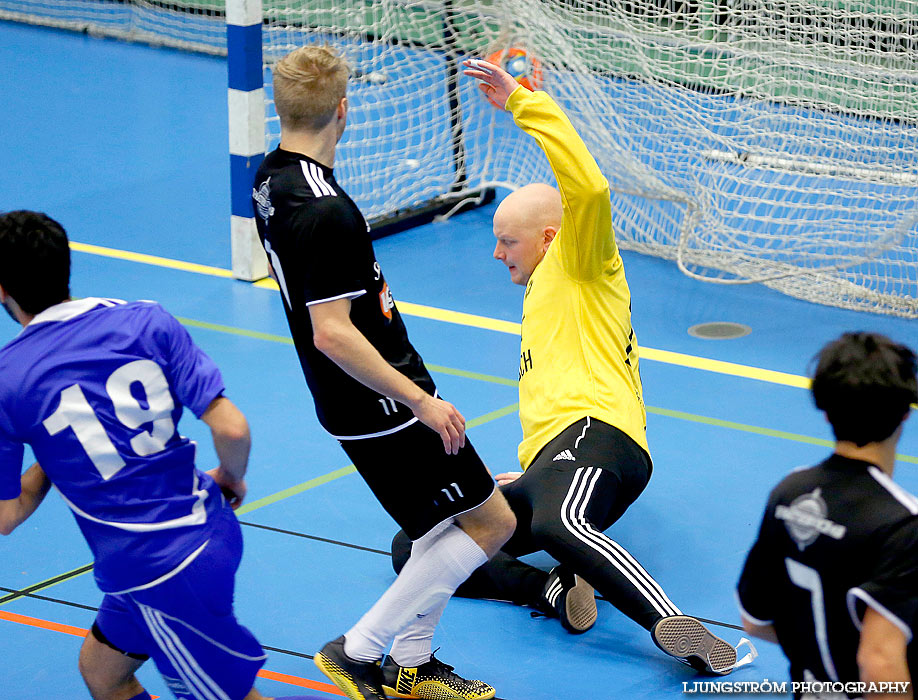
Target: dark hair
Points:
x,y
865,383
34,260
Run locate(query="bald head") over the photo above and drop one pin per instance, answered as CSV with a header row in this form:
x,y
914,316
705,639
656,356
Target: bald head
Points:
x,y
525,224
531,208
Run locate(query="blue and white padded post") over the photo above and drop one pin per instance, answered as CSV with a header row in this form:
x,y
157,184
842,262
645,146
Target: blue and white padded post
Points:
x,y
246,101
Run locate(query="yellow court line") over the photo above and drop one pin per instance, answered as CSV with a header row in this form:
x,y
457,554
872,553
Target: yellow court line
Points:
x,y
435,314
150,259
474,321
721,367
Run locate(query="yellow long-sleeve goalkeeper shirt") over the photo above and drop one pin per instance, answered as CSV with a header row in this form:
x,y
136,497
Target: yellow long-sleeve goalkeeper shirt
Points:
x,y
579,354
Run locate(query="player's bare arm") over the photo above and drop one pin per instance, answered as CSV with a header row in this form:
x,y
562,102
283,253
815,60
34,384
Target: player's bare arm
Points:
x,y
232,441
881,655
15,511
336,337
766,632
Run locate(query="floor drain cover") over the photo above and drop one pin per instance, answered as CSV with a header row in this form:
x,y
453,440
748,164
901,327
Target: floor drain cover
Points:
x,y
719,330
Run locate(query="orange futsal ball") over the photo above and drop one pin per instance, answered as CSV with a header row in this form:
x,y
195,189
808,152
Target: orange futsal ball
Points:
x,y
523,66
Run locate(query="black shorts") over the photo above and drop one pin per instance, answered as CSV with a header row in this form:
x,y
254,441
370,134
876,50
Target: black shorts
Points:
x,y
416,481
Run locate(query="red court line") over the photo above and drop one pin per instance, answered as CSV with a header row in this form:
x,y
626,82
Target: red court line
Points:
x,y
302,682
43,624
81,632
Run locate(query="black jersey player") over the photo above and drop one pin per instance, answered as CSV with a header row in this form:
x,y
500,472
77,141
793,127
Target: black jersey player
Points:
x,y
833,575
372,392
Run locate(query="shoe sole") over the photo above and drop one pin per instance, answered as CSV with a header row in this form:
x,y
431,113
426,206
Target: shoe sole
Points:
x,y
579,607
686,638
339,677
439,695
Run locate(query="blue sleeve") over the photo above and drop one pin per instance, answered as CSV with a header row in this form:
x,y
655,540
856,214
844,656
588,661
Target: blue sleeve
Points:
x,y
192,375
11,454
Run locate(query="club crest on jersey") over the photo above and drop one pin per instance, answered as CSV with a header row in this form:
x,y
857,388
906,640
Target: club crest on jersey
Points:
x,y
386,302
805,520
262,197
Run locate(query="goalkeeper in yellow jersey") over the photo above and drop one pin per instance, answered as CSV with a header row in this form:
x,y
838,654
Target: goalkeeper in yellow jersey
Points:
x,y
584,450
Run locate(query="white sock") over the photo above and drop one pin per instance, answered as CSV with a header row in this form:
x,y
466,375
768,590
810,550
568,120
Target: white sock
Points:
x,y
430,576
413,645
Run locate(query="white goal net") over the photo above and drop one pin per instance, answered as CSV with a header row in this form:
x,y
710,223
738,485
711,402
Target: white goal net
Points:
x,y
747,140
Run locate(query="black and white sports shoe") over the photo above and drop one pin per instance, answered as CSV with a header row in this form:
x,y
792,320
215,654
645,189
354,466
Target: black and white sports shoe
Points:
x,y
690,641
569,598
433,680
360,680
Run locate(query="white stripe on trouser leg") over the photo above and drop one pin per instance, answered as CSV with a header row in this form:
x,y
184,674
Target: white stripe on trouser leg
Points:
x,y
623,554
580,521
572,516
198,682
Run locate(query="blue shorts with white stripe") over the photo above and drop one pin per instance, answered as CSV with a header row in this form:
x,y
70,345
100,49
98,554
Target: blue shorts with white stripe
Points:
x,y
186,623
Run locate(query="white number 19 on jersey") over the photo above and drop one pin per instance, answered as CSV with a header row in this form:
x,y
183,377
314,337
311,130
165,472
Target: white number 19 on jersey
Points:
x,y
75,412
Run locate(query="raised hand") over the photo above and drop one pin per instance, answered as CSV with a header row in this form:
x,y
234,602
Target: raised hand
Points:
x,y
493,81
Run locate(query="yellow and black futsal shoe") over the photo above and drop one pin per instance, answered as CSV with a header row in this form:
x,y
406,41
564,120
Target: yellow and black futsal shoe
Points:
x,y
360,680
689,641
434,680
569,598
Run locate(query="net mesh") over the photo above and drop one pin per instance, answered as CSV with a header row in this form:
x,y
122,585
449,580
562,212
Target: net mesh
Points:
x,y
195,25
748,140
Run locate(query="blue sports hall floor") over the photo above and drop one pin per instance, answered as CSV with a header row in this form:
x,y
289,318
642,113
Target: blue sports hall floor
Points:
x,y
127,146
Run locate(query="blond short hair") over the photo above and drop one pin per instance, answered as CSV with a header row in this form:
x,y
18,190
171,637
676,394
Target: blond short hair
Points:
x,y
309,82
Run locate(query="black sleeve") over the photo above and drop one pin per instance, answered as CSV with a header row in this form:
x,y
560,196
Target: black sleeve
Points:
x,y
329,251
755,589
893,586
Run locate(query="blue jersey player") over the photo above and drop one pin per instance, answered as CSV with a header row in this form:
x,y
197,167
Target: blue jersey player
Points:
x,y
96,388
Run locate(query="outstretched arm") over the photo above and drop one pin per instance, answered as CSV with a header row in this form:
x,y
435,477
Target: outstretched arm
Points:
x,y
586,240
342,342
14,511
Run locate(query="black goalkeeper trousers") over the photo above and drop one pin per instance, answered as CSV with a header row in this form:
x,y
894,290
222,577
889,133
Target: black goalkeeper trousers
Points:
x,y
579,484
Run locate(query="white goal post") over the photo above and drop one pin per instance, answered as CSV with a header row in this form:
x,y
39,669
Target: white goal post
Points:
x,y
746,140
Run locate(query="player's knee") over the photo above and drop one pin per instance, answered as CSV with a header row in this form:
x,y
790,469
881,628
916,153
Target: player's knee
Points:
x,y
501,521
505,521
401,550
498,518
490,525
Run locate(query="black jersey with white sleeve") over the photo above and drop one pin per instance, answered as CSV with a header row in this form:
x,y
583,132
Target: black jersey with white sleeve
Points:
x,y
830,542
